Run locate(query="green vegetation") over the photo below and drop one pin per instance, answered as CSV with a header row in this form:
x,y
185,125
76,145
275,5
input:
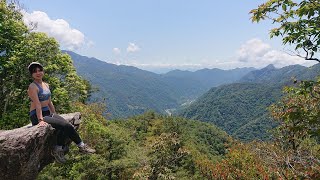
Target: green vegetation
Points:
x,y
298,24
147,146
131,91
19,47
240,109
152,146
125,90
298,114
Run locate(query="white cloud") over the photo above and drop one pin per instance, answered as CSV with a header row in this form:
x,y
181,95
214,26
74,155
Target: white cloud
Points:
x,y
133,48
252,49
256,53
89,43
60,29
116,51
253,53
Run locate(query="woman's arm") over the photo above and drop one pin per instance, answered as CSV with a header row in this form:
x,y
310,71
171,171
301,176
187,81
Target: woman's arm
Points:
x,y
51,107
50,104
33,94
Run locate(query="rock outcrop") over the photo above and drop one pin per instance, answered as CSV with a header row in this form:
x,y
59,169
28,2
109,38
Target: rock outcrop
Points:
x,y
27,150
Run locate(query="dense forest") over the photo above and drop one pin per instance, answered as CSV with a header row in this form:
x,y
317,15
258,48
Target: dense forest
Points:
x,y
242,109
154,146
145,146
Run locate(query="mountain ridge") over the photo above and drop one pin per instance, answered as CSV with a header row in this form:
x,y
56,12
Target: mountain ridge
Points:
x,y
247,101
129,90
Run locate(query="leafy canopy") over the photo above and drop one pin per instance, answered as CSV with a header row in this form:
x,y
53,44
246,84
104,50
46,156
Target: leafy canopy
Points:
x,y
18,48
298,114
299,23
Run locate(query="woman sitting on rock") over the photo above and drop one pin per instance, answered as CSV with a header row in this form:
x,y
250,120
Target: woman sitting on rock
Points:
x,y
42,112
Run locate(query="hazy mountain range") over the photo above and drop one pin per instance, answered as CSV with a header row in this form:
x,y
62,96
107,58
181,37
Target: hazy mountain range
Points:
x,y
286,74
128,90
241,109
235,100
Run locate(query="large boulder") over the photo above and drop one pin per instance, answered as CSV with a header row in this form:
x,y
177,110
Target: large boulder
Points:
x,y
27,150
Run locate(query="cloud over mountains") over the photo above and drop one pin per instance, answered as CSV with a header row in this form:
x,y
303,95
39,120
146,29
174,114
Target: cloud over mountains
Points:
x,y
60,29
258,54
252,53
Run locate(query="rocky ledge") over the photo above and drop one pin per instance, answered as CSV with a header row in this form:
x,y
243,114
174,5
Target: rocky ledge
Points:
x,y
27,150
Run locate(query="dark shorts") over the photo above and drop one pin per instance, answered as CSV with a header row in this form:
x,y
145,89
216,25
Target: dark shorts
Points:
x,y
33,115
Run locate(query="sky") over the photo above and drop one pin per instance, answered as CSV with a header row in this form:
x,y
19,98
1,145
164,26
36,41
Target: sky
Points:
x,y
162,35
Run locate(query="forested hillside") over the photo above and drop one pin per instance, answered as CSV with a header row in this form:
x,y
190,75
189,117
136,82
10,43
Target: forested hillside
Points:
x,y
125,90
285,75
241,109
147,146
129,91
153,146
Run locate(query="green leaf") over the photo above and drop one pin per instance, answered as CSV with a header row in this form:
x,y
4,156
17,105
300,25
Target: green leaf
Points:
x,y
284,7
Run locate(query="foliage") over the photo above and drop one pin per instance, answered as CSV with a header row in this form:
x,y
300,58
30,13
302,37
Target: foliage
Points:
x,y
19,47
298,114
109,162
297,137
240,109
12,30
239,163
298,23
302,163
149,146
167,156
152,146
262,160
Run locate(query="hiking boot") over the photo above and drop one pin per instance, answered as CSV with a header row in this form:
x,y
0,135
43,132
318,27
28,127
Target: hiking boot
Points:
x,y
66,149
58,154
86,149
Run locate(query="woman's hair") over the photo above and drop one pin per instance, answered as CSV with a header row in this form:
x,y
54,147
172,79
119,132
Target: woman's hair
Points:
x,y
33,68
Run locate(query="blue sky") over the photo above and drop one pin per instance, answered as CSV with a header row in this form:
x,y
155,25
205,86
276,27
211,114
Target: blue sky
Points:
x,y
161,35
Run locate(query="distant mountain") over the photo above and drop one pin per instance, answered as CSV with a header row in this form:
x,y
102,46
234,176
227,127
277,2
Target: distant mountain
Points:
x,y
126,90
200,81
129,91
241,108
283,75
212,77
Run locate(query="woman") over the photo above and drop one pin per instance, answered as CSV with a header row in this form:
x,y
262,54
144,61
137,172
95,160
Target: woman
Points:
x,y
42,112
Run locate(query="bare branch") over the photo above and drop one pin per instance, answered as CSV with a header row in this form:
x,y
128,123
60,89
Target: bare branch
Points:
x,y
292,53
297,53
313,59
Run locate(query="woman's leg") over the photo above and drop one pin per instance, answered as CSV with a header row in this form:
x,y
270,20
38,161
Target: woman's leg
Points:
x,y
57,121
67,129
